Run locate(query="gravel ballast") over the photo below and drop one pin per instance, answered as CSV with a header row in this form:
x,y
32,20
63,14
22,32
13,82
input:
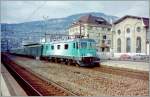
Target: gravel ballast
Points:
x,y
87,82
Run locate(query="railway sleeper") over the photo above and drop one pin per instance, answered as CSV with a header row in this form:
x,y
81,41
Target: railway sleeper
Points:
x,y
57,91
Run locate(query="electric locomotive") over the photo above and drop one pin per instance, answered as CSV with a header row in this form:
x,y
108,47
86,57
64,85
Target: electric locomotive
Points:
x,y
81,52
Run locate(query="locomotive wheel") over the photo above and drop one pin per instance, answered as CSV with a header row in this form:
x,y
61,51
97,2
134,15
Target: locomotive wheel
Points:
x,y
97,64
76,64
62,61
49,60
53,60
70,62
56,60
66,61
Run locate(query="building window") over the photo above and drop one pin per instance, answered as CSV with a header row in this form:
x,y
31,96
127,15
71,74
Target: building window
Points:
x,y
138,45
109,29
119,32
128,45
52,47
109,41
66,46
138,29
98,40
90,28
93,28
103,41
103,49
119,45
128,30
58,46
97,35
103,28
108,49
104,37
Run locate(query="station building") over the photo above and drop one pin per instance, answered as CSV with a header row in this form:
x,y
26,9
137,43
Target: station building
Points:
x,y
131,35
96,28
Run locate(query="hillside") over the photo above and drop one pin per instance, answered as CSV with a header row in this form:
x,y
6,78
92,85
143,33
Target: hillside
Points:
x,y
26,30
57,25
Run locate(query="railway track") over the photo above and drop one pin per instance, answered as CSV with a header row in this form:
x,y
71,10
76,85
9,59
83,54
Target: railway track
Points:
x,y
32,84
123,72
143,75
117,71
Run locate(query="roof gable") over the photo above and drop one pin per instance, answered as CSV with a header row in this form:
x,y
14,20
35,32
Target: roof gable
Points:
x,y
145,20
92,20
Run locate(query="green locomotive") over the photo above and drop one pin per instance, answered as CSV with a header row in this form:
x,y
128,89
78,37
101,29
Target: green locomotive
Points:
x,y
78,51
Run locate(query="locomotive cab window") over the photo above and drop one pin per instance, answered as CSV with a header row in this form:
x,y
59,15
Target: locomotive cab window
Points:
x,y
73,45
52,47
77,46
47,47
83,44
66,46
58,46
92,45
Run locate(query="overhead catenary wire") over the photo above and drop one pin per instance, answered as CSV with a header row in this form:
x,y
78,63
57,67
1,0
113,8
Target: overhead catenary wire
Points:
x,y
36,10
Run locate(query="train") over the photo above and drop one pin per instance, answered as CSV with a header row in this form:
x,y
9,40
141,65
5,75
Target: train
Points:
x,y
81,52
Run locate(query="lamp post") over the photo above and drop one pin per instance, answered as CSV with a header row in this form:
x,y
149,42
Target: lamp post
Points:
x,y
80,28
45,18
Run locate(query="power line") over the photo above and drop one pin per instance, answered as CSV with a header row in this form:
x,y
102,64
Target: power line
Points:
x,y
36,10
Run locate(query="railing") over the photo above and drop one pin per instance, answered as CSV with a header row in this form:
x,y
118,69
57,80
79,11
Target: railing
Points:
x,y
134,58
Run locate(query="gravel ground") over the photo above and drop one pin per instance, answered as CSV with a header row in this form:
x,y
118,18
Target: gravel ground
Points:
x,y
87,82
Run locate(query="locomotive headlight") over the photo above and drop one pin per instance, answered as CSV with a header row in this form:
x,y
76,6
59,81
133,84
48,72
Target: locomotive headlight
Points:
x,y
88,54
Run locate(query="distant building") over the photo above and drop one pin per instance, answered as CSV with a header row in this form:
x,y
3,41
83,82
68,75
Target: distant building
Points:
x,y
96,28
131,35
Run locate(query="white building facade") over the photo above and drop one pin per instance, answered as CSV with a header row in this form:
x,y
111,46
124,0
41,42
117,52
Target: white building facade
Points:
x,y
131,35
127,35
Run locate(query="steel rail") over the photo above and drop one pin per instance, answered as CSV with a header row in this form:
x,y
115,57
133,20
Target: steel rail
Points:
x,y
16,74
33,89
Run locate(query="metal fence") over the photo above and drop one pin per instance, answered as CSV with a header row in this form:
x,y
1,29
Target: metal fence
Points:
x,y
104,56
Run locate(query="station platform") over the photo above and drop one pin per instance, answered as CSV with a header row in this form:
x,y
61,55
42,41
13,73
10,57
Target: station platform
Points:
x,y
141,66
9,86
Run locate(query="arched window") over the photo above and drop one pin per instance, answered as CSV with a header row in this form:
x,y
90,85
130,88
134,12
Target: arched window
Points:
x,y
128,30
119,45
128,45
138,29
119,32
138,45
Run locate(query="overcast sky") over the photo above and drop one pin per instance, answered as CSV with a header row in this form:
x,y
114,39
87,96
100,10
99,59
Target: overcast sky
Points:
x,y
24,11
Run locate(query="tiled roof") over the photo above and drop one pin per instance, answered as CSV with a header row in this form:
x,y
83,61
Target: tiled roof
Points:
x,y
145,20
92,20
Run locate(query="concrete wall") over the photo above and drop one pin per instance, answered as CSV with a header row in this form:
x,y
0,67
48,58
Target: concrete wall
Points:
x,y
9,86
4,88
